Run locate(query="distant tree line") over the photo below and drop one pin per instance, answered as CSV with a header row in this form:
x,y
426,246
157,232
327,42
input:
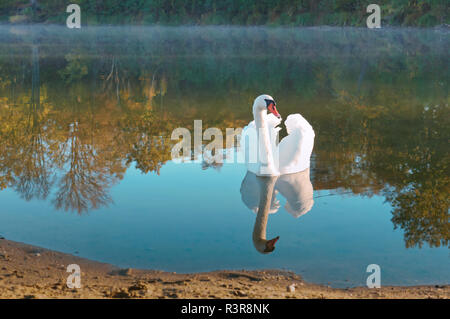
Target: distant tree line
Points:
x,y
229,12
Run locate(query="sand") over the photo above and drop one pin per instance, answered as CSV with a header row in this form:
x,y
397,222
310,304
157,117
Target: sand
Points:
x,y
32,272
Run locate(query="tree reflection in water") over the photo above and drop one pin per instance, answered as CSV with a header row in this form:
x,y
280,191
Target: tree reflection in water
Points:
x,y
73,121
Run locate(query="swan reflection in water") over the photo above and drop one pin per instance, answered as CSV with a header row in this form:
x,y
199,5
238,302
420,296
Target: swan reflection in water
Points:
x,y
259,194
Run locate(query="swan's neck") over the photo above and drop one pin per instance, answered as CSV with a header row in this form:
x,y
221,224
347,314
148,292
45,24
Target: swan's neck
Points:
x,y
260,228
260,118
265,152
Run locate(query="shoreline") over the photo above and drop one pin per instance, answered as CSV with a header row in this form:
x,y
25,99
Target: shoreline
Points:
x,y
28,271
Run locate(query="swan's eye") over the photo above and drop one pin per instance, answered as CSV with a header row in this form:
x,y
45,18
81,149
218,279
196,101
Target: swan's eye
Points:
x,y
268,102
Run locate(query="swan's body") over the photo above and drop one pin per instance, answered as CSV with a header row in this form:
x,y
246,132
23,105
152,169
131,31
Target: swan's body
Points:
x,y
259,141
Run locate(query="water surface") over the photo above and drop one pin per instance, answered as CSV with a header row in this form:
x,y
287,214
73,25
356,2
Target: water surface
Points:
x,y
85,163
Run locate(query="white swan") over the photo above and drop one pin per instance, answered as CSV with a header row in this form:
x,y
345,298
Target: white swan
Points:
x,y
259,138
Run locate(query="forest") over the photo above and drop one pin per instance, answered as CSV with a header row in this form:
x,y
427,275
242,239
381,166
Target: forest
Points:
x,y
422,13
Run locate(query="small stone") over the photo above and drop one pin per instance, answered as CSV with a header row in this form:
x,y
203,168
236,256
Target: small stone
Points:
x,y
37,254
239,293
137,286
125,272
120,293
290,288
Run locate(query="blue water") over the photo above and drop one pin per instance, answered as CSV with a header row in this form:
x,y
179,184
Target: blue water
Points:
x,y
191,220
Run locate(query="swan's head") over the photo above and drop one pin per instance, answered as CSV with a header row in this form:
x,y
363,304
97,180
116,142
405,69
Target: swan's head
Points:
x,y
265,103
265,246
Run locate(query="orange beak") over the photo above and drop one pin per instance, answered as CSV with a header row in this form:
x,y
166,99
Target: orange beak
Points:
x,y
273,109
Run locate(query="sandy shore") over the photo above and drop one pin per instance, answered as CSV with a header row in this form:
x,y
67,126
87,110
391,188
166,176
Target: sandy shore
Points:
x,y
32,272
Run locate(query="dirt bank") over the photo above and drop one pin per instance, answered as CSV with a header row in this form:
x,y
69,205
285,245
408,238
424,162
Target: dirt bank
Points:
x,y
32,272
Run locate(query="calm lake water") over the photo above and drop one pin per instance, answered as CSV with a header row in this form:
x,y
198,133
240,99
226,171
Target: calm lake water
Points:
x,y
85,150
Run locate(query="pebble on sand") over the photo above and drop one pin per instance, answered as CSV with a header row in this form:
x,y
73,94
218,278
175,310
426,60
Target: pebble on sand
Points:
x,y
125,272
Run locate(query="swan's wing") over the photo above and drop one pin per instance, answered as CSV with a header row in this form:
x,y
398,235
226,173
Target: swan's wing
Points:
x,y
294,153
297,121
294,150
298,191
251,193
